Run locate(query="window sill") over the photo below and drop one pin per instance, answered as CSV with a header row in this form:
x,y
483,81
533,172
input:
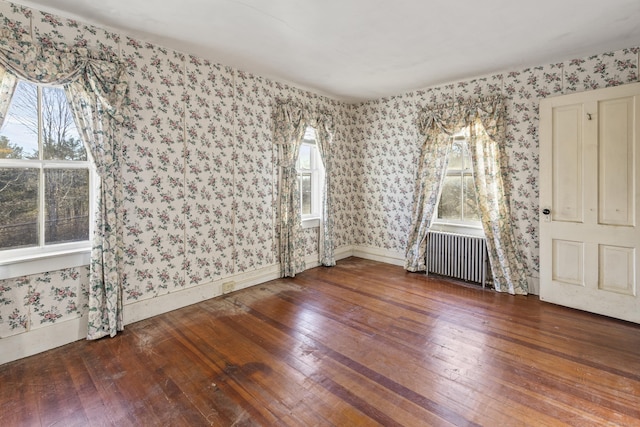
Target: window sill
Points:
x,y
51,261
466,229
310,223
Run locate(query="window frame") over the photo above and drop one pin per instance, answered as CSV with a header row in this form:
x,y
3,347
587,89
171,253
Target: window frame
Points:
x,y
316,171
55,256
462,226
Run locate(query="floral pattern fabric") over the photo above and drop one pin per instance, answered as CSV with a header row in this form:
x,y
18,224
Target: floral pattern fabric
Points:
x,y
437,127
290,124
323,124
486,142
485,121
289,130
8,84
96,89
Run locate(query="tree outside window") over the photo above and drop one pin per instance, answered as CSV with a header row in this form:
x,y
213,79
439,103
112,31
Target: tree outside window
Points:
x,y
45,175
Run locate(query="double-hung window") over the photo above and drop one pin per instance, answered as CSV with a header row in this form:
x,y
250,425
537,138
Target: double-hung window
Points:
x,y
47,182
457,209
311,179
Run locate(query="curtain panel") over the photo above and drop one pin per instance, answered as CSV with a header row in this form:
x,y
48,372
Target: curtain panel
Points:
x,y
96,87
290,123
436,128
484,119
323,124
288,132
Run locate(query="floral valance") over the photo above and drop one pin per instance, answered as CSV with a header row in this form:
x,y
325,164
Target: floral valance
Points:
x,y
104,73
450,118
288,111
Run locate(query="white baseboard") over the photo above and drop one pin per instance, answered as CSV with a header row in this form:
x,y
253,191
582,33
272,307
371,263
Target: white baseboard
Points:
x,y
163,304
379,254
38,340
342,252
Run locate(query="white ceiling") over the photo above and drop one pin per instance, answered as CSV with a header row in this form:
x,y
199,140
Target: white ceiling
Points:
x,y
365,49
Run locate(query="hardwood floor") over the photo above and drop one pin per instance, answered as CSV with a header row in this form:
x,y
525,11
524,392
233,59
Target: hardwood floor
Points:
x,y
359,344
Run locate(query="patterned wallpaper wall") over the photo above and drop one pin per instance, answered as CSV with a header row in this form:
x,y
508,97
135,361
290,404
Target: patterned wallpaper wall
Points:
x,y
199,174
388,143
200,171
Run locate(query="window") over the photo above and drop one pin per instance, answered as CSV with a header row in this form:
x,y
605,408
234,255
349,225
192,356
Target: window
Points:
x,y
46,178
458,205
310,174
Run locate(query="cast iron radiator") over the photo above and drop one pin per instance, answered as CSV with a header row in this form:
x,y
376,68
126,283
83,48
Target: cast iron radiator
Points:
x,y
457,255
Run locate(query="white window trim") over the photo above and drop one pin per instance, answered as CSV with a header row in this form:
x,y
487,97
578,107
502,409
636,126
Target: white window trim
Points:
x,y
469,229
311,223
45,258
49,261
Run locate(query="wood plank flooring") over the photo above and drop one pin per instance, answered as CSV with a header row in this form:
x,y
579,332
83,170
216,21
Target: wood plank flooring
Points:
x,y
359,344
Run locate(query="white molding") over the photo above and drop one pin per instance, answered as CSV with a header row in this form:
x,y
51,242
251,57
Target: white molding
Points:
x,y
53,261
342,252
145,309
379,254
311,261
42,339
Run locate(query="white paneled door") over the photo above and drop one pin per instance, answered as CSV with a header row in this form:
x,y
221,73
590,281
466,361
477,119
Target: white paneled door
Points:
x,y
589,192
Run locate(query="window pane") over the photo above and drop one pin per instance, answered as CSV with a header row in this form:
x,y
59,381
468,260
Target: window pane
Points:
x,y
466,156
455,156
60,139
66,205
471,210
304,158
18,208
19,133
449,207
305,189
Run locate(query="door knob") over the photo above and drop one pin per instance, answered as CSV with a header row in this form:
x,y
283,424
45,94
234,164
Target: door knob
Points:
x,y
546,211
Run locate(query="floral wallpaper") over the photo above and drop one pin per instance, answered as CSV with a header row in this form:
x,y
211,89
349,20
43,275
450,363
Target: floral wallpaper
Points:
x,y
154,173
386,142
200,174
33,302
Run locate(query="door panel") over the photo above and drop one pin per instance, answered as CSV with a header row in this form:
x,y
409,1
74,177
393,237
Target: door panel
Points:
x,y
617,269
589,156
616,175
567,163
568,262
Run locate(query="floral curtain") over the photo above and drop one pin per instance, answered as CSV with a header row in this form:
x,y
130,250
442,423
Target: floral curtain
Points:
x,y
486,125
291,122
289,129
485,120
436,126
96,87
323,124
8,84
